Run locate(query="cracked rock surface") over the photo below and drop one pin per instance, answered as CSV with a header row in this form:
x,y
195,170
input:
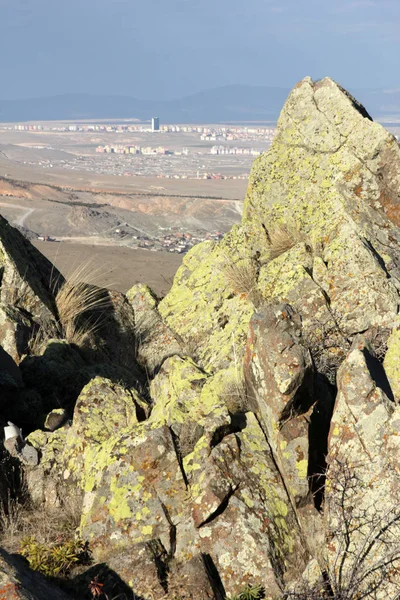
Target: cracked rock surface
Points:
x,y
262,446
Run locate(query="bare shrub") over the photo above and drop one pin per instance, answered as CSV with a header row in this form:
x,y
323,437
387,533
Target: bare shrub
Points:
x,y
328,346
378,339
366,537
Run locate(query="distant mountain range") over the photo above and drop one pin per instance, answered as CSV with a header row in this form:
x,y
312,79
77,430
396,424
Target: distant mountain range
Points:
x,y
230,103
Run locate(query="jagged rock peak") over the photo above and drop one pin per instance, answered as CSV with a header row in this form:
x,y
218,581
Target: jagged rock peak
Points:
x,y
328,87
356,156
318,231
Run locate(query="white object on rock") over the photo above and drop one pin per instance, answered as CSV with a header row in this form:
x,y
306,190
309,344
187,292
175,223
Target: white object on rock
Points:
x,y
12,431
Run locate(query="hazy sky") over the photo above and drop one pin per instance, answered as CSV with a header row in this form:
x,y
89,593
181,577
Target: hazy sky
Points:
x,y
169,48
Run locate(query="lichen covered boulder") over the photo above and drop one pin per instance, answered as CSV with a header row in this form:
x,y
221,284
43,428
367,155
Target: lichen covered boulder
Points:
x,y
361,509
392,362
103,409
316,227
154,339
245,429
203,308
327,174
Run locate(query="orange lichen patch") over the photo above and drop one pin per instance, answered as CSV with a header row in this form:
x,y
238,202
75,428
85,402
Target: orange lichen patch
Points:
x,y
392,208
358,190
352,173
10,591
393,212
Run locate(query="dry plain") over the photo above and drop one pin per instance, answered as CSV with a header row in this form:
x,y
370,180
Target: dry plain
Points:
x,y
114,267
100,208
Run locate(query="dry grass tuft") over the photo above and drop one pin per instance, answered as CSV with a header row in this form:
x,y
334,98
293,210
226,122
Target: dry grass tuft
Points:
x,y
234,391
235,395
282,238
146,327
11,519
45,332
20,520
242,276
81,305
242,273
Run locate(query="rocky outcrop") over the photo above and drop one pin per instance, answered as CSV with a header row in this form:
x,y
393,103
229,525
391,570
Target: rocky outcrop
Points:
x,y
391,363
242,430
363,478
154,340
28,284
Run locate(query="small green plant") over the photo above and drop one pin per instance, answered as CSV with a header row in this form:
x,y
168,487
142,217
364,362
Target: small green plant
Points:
x,y
250,592
55,560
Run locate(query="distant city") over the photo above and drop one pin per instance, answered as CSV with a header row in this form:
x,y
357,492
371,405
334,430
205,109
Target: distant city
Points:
x,y
207,151
210,163
171,241
207,132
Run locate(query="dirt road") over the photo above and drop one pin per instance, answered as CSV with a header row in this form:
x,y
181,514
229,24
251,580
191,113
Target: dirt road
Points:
x,y
21,220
